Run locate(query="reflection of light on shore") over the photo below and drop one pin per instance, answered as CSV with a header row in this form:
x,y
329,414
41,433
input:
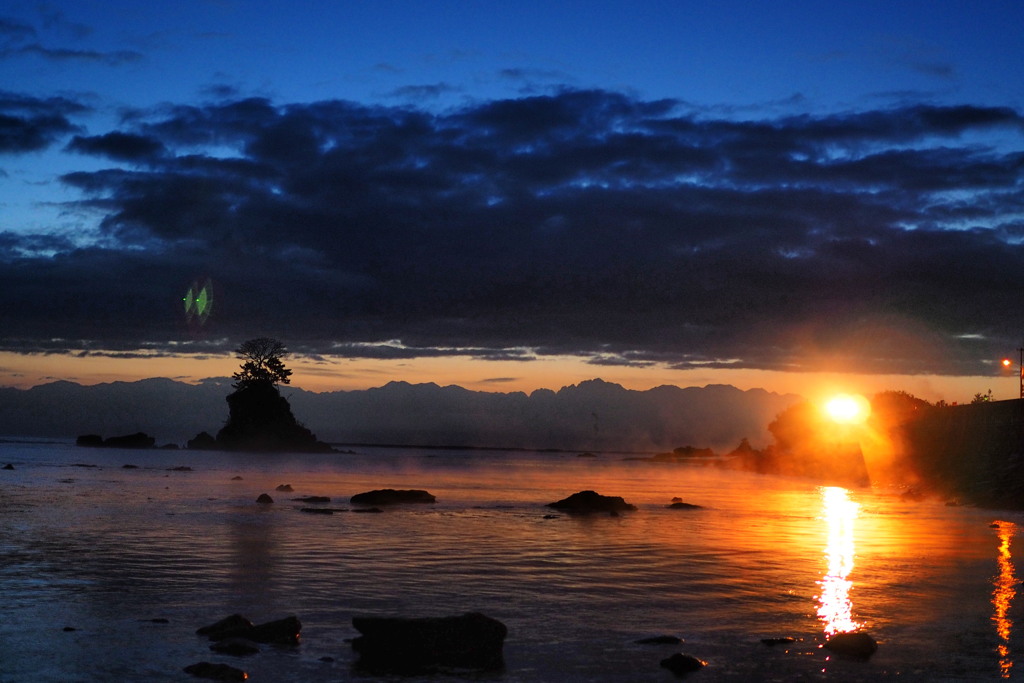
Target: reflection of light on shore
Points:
x,y
1002,596
834,606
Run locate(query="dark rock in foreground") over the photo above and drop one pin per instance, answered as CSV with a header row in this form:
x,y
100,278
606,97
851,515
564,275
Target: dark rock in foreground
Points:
x,y
392,497
683,506
858,644
681,664
590,501
264,499
216,672
218,629
313,499
281,632
8,466
417,646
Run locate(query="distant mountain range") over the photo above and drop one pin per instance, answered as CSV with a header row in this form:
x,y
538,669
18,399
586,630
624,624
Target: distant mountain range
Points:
x,y
593,415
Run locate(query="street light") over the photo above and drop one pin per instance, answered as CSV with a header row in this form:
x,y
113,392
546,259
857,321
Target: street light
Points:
x,y
1007,363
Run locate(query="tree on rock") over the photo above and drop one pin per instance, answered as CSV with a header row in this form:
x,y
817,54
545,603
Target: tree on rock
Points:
x,y
262,363
260,419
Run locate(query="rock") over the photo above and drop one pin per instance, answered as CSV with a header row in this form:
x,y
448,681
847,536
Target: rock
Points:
x,y
89,440
772,642
313,499
237,477
260,419
416,646
236,647
202,441
679,505
281,632
659,640
367,510
287,488
392,497
180,468
317,511
129,467
681,664
8,466
264,499
219,629
856,644
216,672
136,440
590,501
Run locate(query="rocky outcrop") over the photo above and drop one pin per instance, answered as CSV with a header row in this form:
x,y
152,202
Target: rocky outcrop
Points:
x,y
392,497
136,440
260,419
591,501
425,645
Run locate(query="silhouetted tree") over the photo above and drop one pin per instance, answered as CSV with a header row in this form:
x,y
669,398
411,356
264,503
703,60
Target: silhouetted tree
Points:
x,y
262,363
982,398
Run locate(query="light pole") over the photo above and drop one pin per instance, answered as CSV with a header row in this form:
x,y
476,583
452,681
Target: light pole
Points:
x,y
1007,363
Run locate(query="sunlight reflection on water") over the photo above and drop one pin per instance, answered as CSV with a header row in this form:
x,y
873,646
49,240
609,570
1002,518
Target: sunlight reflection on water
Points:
x,y
835,608
1002,597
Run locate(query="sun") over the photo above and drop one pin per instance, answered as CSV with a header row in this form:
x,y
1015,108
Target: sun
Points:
x,y
848,408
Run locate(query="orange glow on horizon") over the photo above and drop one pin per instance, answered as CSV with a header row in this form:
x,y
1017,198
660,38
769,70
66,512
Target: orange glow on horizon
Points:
x,y
549,372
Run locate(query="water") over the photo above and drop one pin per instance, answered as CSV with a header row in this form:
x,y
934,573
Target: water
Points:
x,y
108,550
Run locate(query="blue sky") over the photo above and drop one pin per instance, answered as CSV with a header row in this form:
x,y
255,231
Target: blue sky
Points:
x,y
634,186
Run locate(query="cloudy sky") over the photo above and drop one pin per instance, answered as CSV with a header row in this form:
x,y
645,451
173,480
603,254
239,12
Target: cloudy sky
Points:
x,y
515,195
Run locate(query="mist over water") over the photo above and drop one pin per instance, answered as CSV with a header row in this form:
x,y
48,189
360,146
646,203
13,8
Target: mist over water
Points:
x,y
106,550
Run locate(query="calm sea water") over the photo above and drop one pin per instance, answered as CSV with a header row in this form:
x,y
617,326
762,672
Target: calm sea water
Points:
x,y
106,550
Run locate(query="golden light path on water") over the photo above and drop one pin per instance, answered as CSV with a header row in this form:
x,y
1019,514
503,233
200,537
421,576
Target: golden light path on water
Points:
x,y
835,608
1002,596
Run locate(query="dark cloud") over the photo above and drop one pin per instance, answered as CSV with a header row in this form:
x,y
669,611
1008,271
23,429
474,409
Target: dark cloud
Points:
x,y
20,39
28,124
588,223
118,146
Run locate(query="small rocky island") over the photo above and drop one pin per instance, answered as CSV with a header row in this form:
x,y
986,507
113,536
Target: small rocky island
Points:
x,y
259,417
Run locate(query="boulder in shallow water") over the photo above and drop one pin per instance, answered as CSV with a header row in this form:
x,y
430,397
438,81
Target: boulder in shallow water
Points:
x,y
591,501
264,499
8,466
392,497
216,672
680,505
681,664
219,629
659,640
280,632
856,644
417,646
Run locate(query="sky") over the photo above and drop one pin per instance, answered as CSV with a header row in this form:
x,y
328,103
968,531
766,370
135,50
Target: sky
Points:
x,y
513,196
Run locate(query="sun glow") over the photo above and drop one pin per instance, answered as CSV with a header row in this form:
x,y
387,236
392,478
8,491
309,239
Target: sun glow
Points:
x,y
848,408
